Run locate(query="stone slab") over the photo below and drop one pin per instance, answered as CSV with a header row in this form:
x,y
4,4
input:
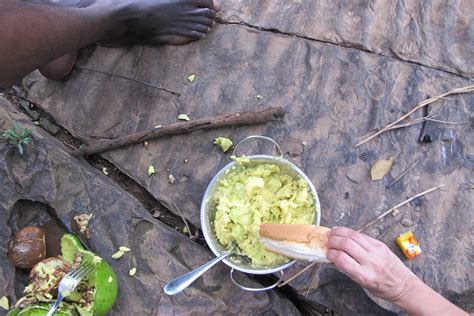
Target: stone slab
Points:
x,y
48,183
437,34
334,97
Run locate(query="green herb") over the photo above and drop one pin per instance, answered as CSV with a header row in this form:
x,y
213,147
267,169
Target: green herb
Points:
x,y
18,136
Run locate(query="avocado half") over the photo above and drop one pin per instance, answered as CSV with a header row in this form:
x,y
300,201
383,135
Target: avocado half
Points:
x,y
94,296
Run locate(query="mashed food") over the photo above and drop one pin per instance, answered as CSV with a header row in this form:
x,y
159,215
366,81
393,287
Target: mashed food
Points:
x,y
252,193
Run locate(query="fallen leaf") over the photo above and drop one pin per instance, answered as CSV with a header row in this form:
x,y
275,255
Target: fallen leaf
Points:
x,y
380,168
191,78
118,254
183,117
151,171
4,303
132,271
124,249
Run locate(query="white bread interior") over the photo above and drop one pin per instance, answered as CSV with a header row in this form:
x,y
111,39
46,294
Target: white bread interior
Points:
x,y
302,242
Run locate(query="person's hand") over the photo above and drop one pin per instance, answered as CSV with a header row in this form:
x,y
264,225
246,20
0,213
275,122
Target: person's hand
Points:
x,y
369,262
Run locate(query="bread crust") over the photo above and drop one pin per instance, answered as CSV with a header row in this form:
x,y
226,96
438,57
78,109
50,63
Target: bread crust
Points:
x,y
298,241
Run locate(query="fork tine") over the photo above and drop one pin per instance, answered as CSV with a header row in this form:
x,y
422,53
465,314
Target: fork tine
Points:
x,y
82,270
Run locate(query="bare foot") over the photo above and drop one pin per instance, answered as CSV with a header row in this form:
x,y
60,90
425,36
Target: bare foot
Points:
x,y
59,68
159,22
156,22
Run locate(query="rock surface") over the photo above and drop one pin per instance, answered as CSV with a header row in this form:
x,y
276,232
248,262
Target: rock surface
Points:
x,y
335,95
48,184
437,34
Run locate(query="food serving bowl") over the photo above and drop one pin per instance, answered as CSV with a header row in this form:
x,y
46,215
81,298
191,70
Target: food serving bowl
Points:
x,y
208,212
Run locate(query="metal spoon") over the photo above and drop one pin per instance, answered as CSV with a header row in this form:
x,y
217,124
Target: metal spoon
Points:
x,y
180,283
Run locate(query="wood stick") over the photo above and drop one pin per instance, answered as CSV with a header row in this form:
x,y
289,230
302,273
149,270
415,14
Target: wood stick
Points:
x,y
398,205
240,118
404,173
420,105
298,274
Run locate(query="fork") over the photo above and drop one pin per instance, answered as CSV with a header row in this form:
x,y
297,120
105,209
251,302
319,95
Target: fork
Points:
x,y
69,283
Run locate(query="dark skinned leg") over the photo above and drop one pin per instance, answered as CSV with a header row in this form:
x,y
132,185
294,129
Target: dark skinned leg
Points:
x,y
36,33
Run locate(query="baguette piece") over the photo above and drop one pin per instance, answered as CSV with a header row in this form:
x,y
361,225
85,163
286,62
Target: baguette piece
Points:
x,y
297,241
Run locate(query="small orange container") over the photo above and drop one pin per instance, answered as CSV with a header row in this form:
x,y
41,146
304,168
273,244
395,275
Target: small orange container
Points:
x,y
409,245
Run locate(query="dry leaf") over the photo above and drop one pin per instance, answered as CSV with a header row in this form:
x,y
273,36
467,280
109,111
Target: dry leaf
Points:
x,y
380,168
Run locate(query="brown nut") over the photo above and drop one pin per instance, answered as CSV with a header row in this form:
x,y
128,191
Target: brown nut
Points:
x,y
27,247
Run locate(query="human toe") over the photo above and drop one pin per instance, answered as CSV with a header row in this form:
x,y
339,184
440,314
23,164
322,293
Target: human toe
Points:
x,y
212,4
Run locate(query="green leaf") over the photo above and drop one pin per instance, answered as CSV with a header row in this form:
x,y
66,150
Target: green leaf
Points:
x,y
20,148
26,133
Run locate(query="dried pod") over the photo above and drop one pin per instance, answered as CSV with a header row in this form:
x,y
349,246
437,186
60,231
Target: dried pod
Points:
x,y
27,247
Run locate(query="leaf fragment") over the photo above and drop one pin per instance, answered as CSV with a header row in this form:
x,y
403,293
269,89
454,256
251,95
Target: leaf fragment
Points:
x,y
183,117
380,168
104,171
132,271
151,170
191,78
110,279
124,249
259,97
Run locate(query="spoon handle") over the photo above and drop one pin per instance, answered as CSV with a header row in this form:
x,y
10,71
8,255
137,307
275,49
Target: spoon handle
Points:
x,y
180,283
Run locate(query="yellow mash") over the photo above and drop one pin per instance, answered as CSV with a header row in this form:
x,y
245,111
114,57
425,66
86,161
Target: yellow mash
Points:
x,y
252,193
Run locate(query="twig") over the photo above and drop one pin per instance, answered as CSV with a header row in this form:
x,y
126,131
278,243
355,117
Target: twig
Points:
x,y
423,119
240,118
403,173
297,274
315,275
184,220
398,205
466,89
446,122
159,87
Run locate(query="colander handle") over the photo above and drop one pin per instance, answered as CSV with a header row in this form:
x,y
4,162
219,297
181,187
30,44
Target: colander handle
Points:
x,y
259,137
255,289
